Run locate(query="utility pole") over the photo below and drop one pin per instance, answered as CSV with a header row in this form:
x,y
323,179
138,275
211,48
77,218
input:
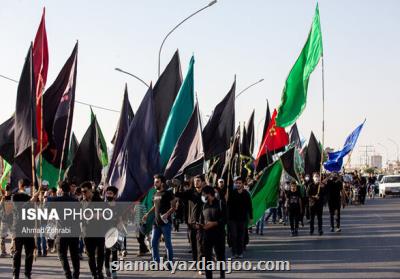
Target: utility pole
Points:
x,y
366,150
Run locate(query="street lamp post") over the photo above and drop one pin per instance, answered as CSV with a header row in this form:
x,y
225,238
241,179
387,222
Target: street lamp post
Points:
x,y
176,26
248,87
132,75
397,147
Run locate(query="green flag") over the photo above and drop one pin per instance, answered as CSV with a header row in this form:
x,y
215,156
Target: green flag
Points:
x,y
179,116
102,141
50,173
266,191
5,175
294,94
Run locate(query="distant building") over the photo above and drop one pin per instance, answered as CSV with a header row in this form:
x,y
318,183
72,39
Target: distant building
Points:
x,y
376,161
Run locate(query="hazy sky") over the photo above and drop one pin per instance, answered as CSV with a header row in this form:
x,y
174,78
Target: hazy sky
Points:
x,y
253,39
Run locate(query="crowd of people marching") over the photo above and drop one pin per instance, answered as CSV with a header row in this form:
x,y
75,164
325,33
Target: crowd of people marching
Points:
x,y
214,215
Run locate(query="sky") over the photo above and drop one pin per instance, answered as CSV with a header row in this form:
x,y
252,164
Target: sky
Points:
x,y
251,39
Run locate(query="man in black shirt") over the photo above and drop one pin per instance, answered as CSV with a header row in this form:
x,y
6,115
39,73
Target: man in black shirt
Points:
x,y
294,207
164,206
193,199
240,213
67,242
334,189
22,200
94,245
212,223
315,200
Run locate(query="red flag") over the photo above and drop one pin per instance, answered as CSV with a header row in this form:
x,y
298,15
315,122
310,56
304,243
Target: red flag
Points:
x,y
40,55
275,138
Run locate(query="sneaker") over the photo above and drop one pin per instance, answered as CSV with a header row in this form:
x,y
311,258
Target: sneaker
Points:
x,y
261,233
320,232
3,254
240,256
296,233
124,253
338,230
332,230
311,232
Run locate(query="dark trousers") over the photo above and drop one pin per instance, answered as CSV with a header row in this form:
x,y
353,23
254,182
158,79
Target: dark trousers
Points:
x,y
196,241
95,250
114,257
142,245
214,239
334,211
29,244
237,230
71,244
316,210
294,218
307,208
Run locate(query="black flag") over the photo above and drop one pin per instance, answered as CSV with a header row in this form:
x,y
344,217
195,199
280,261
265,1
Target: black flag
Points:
x,y
232,158
139,158
220,128
295,136
266,122
248,137
58,111
24,124
124,122
7,140
312,158
288,163
86,165
188,150
267,159
165,91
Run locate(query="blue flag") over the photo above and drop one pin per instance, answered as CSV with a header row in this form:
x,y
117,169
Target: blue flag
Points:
x,y
335,159
139,157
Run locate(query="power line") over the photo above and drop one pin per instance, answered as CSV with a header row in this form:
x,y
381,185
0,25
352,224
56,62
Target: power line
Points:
x,y
76,101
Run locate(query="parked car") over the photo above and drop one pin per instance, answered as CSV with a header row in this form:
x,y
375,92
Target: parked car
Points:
x,y
389,185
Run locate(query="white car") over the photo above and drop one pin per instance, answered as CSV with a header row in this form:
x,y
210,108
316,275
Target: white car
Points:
x,y
389,185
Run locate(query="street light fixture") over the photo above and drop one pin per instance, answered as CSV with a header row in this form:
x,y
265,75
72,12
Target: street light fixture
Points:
x,y
248,87
176,26
132,75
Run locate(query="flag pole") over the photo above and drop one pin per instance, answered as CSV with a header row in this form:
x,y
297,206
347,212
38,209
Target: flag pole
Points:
x,y
64,142
41,141
323,111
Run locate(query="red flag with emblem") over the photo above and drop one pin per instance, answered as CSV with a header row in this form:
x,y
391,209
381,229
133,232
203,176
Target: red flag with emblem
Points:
x,y
274,139
40,56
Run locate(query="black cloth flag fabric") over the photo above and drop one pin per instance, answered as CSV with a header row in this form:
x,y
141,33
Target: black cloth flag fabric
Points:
x,y
25,133
288,163
125,120
294,136
232,158
248,137
220,128
265,159
165,91
7,140
312,157
58,110
139,158
188,150
86,165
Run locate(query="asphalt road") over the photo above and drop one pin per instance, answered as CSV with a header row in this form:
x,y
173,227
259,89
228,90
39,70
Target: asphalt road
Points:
x,y
367,247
